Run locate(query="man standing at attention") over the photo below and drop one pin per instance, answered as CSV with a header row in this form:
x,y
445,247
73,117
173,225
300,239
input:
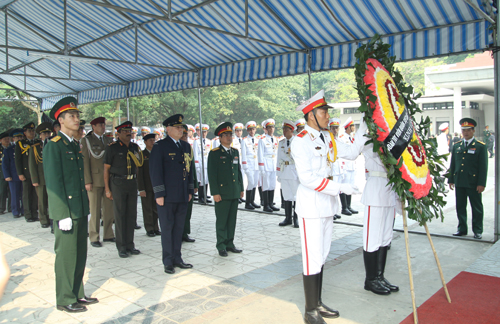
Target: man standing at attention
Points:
x,y
101,207
201,147
249,164
468,172
10,175
226,185
5,197
172,179
266,154
68,207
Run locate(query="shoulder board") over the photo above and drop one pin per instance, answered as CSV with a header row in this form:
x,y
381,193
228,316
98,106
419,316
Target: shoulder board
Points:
x,y
215,149
112,143
302,134
37,144
456,142
55,139
480,142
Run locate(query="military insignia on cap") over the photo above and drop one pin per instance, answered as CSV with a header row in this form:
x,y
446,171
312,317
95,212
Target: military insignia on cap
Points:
x,y
72,104
180,119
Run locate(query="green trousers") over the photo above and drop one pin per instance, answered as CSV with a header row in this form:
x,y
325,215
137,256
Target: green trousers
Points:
x,y
187,223
30,200
41,192
4,196
461,195
149,212
71,257
225,223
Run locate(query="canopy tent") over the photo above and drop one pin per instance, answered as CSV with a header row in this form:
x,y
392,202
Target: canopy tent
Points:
x,y
112,49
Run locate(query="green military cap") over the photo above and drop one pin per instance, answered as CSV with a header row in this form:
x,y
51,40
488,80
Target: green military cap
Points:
x,y
16,132
175,120
4,135
65,104
44,127
29,126
82,123
224,127
467,123
151,135
127,125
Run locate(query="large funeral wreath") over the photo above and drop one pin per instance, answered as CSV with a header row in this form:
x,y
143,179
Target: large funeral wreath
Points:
x,y
408,153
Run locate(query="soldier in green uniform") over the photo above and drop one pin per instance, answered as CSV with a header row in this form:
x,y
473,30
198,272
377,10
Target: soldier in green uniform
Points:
x,y
120,184
4,185
187,224
21,152
68,207
226,185
35,160
467,174
145,187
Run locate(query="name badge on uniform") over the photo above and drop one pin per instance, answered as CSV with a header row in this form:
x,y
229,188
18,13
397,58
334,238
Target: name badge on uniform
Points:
x,y
318,147
472,150
235,160
171,153
223,157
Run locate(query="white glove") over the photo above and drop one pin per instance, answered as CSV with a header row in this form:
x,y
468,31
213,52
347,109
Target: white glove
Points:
x,y
347,189
65,224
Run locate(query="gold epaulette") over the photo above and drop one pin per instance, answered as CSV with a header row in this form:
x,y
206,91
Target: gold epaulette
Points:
x,y
480,142
456,142
217,148
55,139
37,144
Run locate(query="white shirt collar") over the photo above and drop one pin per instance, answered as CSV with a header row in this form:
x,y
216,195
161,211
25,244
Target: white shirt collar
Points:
x,y
69,138
469,141
98,137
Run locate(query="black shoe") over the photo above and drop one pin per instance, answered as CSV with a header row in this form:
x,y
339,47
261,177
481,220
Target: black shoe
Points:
x,y
240,201
458,233
188,239
249,206
134,251
372,283
169,269
137,226
478,236
327,312
157,232
17,216
285,222
110,240
30,220
102,223
96,244
123,254
2,212
376,287
87,301
352,210
346,212
256,206
223,253
73,308
183,265
336,217
234,250
45,225
151,233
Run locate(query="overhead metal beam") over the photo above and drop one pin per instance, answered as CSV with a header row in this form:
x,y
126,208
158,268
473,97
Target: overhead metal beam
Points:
x,y
480,12
11,100
6,39
246,18
17,67
170,10
176,21
136,45
8,4
199,5
116,32
278,18
58,78
165,13
65,21
337,20
406,15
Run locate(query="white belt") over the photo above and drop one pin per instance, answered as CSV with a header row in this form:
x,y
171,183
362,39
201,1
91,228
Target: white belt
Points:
x,y
377,174
269,156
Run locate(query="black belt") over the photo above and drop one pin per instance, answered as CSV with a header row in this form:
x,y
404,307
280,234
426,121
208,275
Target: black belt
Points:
x,y
126,177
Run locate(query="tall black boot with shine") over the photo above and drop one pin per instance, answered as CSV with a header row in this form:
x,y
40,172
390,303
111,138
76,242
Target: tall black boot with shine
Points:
x,y
295,217
248,203
311,292
261,196
208,197
288,214
253,199
265,197
270,196
348,200
324,310
343,202
382,258
201,194
371,267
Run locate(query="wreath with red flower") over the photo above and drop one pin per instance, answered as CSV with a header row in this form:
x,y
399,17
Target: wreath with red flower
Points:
x,y
388,104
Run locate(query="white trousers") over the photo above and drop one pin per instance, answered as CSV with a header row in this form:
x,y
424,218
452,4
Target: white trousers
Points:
x,y
289,187
252,179
377,227
202,180
349,176
315,239
269,180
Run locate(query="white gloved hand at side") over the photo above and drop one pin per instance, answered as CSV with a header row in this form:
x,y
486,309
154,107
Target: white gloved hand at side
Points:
x,y
65,224
348,189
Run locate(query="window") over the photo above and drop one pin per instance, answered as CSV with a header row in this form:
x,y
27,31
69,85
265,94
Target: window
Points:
x,y
474,105
351,111
440,105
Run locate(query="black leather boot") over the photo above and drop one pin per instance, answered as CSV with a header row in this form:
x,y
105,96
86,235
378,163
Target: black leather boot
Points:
x,y
295,218
371,267
311,292
201,194
382,258
206,191
253,199
261,196
248,204
288,214
348,200
270,196
282,199
324,310
265,197
343,201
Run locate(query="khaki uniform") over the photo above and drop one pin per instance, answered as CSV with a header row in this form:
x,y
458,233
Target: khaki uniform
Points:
x,y
30,199
35,160
149,210
101,207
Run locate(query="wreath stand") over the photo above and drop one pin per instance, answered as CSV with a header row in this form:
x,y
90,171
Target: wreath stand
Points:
x,y
407,243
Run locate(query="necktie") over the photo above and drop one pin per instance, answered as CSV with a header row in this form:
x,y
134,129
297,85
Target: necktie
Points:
x,y
322,138
287,142
239,139
253,141
178,145
272,140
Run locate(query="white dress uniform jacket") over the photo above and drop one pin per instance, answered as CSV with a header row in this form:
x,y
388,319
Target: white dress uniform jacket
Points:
x,y
316,192
201,152
237,144
267,153
442,142
249,154
285,170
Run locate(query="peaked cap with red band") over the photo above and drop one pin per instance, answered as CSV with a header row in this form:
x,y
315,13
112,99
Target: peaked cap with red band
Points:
x,y
65,104
125,125
98,120
224,127
467,123
334,122
316,101
348,122
288,123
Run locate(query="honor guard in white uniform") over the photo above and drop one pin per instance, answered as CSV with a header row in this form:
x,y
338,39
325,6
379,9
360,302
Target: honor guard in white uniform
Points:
x,y
237,144
190,135
201,148
158,134
314,150
250,164
336,168
299,125
287,175
442,139
135,130
144,131
197,130
348,168
267,154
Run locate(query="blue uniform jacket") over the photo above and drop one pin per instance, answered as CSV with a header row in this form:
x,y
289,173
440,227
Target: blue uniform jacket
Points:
x,y
9,164
168,170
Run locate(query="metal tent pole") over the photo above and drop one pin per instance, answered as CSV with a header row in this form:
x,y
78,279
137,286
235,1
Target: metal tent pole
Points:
x,y
497,124
128,110
309,72
202,146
